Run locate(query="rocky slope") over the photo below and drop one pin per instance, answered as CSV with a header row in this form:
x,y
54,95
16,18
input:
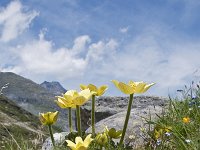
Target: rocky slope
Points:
x,y
31,96
19,124
53,87
23,90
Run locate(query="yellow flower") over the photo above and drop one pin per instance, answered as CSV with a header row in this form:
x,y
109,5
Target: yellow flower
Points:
x,y
101,139
106,130
48,118
158,134
67,100
79,143
114,134
132,87
97,91
82,97
72,98
186,120
167,129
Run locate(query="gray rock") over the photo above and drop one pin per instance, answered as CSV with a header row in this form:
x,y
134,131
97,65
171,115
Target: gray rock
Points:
x,y
54,87
134,134
113,105
59,139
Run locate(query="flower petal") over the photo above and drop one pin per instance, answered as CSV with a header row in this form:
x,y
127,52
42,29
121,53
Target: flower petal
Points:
x,y
80,146
71,93
79,100
71,144
53,117
67,97
60,104
116,83
140,87
86,93
102,90
88,140
147,87
126,89
42,118
78,139
131,83
83,87
92,87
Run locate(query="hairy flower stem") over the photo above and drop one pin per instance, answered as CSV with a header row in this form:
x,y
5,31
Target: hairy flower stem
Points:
x,y
93,115
78,117
70,119
51,134
127,119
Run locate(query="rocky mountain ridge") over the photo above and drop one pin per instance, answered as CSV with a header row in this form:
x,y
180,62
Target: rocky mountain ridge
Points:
x,y
54,87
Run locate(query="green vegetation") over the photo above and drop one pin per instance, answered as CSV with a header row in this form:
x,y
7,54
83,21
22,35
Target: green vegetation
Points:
x,y
179,127
12,110
16,125
14,136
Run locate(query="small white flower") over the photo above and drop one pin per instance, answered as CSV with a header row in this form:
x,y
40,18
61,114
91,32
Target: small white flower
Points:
x,y
187,141
158,141
167,133
190,109
199,106
131,137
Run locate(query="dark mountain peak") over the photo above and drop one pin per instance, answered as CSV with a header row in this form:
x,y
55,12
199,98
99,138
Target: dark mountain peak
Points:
x,y
54,87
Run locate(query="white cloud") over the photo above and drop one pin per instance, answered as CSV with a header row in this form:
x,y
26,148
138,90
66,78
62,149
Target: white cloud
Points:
x,y
101,50
80,44
144,58
40,59
124,29
166,61
14,20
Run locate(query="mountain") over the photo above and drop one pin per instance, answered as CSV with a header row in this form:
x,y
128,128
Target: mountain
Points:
x,y
19,124
31,96
53,87
26,93
22,89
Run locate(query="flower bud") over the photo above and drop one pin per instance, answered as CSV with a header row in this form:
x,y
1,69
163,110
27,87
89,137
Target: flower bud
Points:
x,y
101,139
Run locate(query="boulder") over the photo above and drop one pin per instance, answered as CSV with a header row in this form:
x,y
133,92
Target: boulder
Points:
x,y
59,139
134,135
115,104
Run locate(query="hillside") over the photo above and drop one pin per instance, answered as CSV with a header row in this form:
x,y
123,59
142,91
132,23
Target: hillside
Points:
x,y
19,123
24,90
30,95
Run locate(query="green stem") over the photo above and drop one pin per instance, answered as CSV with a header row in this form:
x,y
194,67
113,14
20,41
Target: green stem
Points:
x,y
101,147
51,134
78,117
70,119
127,119
93,115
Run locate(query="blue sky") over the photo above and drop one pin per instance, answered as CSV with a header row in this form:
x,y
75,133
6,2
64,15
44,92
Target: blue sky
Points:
x,y
79,41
